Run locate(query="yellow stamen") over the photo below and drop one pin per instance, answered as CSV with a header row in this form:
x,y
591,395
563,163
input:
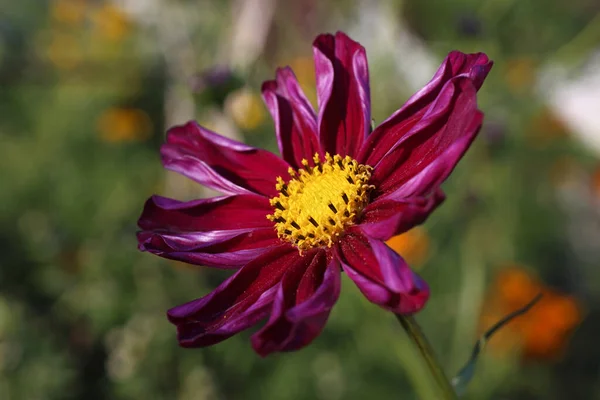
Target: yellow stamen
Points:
x,y
318,203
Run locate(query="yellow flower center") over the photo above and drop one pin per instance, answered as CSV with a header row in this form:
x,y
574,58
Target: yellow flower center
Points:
x,y
315,207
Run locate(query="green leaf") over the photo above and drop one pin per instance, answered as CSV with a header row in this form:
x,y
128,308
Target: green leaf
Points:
x,y
465,375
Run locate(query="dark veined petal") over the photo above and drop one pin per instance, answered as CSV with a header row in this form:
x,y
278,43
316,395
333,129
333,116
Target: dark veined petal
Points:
x,y
223,249
454,119
226,212
302,304
439,169
388,217
238,303
381,274
457,65
294,116
220,163
224,232
343,93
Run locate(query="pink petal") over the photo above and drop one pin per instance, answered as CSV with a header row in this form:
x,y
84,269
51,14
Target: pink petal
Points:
x,y
381,274
226,212
388,217
221,163
454,118
238,303
439,169
343,93
473,67
295,119
223,249
224,232
301,307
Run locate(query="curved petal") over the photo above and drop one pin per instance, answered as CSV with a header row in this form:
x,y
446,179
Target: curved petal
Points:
x,y
294,116
430,177
388,217
224,232
220,163
343,93
457,65
223,249
454,118
216,213
238,303
301,307
381,274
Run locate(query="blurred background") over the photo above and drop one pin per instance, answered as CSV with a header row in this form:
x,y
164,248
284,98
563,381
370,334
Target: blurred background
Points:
x,y
87,89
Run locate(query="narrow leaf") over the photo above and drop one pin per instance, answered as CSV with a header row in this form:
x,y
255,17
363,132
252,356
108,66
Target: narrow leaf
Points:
x,y
465,375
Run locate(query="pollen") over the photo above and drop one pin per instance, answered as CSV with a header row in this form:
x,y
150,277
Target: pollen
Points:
x,y
320,202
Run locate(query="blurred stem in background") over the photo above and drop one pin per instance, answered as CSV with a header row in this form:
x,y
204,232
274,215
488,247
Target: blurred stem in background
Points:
x,y
472,289
417,336
579,46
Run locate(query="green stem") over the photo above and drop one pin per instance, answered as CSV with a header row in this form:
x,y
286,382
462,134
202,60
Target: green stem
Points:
x,y
415,333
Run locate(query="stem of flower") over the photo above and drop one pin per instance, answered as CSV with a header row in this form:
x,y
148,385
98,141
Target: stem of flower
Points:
x,y
415,333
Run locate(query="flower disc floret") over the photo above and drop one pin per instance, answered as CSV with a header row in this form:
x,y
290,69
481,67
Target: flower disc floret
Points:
x,y
319,202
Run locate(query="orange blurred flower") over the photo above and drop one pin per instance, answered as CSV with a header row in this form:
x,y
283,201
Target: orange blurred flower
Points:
x,y
546,127
413,246
124,125
68,11
596,183
540,334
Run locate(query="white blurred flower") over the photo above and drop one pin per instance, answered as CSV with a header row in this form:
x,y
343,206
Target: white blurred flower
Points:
x,y
385,35
143,11
576,100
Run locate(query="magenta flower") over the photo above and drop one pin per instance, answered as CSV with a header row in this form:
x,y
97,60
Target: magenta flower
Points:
x,y
290,225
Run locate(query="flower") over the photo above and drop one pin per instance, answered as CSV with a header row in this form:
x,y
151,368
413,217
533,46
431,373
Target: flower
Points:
x,y
68,11
520,74
542,333
545,128
245,108
111,22
305,73
595,183
117,125
413,245
63,50
290,225
574,100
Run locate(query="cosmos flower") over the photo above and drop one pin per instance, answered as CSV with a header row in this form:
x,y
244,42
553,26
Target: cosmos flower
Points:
x,y
291,225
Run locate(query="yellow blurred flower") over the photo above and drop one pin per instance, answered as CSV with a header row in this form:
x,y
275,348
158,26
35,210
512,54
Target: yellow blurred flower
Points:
x,y
304,68
68,11
540,334
246,108
124,125
61,49
111,22
413,246
520,74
